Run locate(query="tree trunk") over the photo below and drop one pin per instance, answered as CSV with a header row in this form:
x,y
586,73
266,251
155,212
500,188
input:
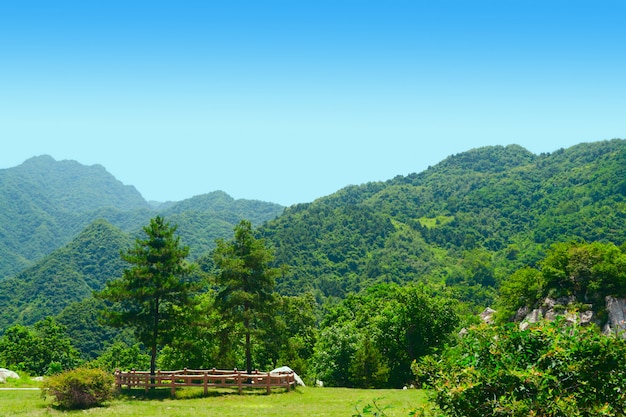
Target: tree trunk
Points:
x,y
153,348
248,350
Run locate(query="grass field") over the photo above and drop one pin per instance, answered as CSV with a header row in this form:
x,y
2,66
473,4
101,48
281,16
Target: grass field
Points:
x,y
305,401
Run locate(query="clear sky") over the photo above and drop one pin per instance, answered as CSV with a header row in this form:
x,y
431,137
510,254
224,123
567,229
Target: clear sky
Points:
x,y
288,101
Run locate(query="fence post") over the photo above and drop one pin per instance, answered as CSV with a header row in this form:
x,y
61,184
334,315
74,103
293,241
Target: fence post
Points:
x,y
239,381
206,382
173,385
269,383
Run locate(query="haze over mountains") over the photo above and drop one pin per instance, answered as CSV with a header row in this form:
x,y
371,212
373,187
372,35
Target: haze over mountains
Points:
x,y
467,223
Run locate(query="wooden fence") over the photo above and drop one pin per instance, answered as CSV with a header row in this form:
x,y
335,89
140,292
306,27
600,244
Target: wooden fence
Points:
x,y
205,378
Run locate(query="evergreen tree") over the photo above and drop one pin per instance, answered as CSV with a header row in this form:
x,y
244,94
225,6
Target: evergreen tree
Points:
x,y
246,297
152,294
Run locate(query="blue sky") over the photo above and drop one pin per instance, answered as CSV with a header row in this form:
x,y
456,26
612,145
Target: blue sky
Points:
x,y
288,101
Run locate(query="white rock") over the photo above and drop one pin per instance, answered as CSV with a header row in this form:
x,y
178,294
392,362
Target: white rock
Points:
x,y
286,369
5,373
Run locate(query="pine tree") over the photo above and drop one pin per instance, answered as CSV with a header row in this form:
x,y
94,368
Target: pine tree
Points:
x,y
246,297
152,294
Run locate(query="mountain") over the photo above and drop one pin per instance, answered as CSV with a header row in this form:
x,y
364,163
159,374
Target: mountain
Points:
x,y
467,222
67,275
203,219
45,203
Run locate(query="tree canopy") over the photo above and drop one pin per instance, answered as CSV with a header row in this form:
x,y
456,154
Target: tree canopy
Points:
x,y
153,292
246,298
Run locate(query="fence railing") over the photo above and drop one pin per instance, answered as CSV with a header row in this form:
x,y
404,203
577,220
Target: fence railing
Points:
x,y
205,378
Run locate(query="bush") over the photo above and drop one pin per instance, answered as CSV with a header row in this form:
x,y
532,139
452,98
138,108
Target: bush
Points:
x,y
80,388
550,370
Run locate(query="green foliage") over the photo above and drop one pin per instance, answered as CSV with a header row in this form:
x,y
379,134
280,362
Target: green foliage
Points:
x,y
550,370
370,339
44,204
470,221
153,293
371,409
245,299
120,356
587,271
84,326
42,350
68,275
80,388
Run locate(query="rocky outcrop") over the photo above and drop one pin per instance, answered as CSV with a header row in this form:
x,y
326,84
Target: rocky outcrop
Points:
x,y
569,308
616,310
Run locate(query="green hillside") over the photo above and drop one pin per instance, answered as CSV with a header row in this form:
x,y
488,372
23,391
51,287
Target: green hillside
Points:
x,y
468,221
46,203
67,275
203,219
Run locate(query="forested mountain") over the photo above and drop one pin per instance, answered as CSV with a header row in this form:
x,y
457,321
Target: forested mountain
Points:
x,y
46,203
69,274
203,219
468,221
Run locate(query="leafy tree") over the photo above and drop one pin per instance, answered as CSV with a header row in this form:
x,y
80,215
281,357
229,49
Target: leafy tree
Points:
x,y
415,323
246,298
300,328
334,350
587,271
522,288
42,349
370,339
123,357
152,295
197,346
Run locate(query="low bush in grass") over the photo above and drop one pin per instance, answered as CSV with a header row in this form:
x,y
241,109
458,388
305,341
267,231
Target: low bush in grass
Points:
x,y
79,388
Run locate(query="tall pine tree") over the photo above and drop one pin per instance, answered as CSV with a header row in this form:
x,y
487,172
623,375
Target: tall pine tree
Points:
x,y
246,297
152,294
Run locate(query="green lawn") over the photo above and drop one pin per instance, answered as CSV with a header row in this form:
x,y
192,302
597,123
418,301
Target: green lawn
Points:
x,y
303,402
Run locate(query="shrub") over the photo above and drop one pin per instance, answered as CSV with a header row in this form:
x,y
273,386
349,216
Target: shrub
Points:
x,y
550,370
80,388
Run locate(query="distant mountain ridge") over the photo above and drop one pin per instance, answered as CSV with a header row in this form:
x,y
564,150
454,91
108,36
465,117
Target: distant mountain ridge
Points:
x,y
467,223
45,203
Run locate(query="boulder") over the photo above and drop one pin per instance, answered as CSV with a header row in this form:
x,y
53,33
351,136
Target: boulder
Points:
x,y
5,373
616,309
286,369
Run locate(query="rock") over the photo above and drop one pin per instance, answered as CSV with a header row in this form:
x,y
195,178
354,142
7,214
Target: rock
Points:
x,y
286,369
521,314
534,316
487,315
5,373
616,309
586,317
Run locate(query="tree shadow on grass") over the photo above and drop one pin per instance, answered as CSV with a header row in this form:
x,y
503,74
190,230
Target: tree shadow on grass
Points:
x,y
162,394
